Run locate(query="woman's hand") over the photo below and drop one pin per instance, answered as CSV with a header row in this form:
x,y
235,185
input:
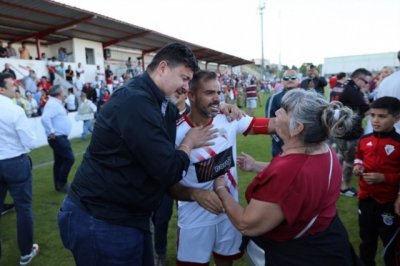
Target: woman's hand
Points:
x,y
246,163
219,183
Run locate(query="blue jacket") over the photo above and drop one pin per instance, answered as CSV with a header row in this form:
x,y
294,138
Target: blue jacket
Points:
x,y
272,105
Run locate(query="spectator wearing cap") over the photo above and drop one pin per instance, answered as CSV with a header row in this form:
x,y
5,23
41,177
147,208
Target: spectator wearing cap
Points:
x,y
57,127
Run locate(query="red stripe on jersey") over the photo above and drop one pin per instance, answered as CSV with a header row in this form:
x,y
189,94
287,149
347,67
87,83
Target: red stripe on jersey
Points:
x,y
179,121
210,151
231,178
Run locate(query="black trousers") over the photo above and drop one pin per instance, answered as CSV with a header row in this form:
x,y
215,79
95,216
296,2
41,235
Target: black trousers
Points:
x,y
328,248
376,220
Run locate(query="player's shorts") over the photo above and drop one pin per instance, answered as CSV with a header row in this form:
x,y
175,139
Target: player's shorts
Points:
x,y
196,244
251,103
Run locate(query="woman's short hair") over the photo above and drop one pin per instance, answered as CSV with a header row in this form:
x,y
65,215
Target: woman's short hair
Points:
x,y
321,119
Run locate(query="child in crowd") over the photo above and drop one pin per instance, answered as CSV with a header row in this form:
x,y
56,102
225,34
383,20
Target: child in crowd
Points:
x,y
377,162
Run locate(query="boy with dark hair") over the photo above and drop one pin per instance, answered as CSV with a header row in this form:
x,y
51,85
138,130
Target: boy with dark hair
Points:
x,y
377,162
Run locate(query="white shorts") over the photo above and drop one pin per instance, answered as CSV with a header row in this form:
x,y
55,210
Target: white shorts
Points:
x,y
251,103
197,244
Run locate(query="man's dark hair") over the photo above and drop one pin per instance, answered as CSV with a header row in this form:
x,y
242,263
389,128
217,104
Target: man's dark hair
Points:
x,y
200,77
71,90
391,104
55,90
4,76
340,75
360,72
398,55
175,54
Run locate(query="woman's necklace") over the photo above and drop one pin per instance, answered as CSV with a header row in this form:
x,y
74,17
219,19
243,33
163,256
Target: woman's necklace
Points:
x,y
285,150
309,149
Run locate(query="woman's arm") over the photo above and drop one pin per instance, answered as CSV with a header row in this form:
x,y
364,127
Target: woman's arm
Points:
x,y
247,163
257,218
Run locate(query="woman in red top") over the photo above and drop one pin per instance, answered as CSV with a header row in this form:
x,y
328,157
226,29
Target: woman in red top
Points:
x,y
291,212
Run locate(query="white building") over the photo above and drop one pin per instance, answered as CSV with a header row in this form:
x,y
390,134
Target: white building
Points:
x,y
372,62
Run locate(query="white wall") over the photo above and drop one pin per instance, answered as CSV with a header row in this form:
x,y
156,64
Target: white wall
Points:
x,y
79,46
36,125
372,62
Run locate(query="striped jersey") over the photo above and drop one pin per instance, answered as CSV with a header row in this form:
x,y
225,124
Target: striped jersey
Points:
x,y
208,163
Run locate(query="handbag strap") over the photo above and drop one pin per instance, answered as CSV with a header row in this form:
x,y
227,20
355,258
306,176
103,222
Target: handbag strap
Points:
x,y
329,183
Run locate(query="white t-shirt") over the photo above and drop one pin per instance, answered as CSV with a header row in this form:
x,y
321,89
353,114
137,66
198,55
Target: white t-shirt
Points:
x,y
70,101
208,163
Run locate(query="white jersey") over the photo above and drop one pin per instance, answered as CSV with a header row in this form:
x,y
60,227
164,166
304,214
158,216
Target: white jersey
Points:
x,y
208,163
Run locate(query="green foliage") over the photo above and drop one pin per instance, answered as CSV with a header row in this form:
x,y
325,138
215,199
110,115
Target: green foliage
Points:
x,y
46,202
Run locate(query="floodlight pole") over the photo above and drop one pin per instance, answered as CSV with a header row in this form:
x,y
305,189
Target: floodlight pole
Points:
x,y
261,9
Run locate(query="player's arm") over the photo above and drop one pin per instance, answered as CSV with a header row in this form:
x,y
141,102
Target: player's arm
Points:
x,y
205,198
261,125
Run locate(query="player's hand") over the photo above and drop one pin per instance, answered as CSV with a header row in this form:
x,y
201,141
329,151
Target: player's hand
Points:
x,y
358,170
245,162
231,111
373,178
200,136
209,200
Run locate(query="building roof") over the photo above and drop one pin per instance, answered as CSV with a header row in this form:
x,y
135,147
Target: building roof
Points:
x,y
52,22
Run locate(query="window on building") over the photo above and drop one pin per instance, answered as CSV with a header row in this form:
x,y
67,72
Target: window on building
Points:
x,y
89,52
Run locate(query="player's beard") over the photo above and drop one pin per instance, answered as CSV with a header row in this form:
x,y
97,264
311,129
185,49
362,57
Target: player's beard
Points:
x,y
206,112
172,99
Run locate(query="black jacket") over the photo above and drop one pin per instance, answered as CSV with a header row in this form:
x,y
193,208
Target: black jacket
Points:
x,y
319,83
131,159
353,98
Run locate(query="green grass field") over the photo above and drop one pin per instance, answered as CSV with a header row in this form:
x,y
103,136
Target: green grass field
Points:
x,y
46,202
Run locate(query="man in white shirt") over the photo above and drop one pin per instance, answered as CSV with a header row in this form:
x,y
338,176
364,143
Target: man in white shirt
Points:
x,y
71,101
200,216
100,74
86,112
17,139
57,127
79,70
79,83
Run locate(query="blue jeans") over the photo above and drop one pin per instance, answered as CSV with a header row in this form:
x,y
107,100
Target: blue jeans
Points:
x,y
16,176
87,127
160,220
63,160
95,242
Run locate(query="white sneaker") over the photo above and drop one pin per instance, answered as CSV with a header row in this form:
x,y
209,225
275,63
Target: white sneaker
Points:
x,y
26,259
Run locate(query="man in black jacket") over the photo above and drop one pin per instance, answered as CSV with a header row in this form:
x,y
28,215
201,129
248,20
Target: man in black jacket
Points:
x,y
353,96
313,81
129,164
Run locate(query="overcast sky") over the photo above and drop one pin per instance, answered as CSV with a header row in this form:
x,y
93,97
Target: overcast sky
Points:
x,y
295,31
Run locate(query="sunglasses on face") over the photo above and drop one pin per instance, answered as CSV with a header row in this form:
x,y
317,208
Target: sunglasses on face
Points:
x,y
292,77
364,80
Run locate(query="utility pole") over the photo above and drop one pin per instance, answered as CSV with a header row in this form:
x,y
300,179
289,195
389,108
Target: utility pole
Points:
x,y
261,9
